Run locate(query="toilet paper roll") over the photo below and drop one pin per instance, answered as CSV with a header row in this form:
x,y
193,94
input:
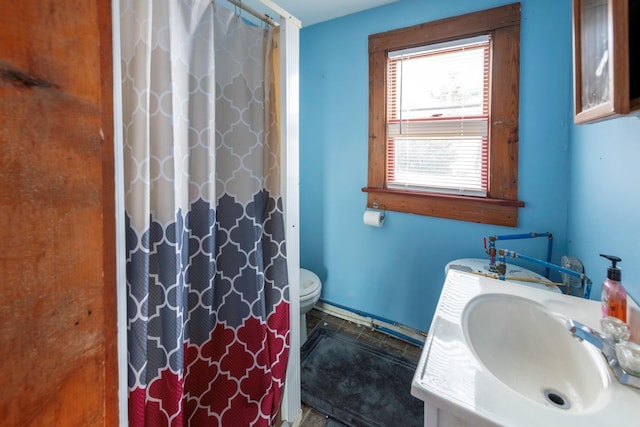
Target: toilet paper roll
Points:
x,y
373,218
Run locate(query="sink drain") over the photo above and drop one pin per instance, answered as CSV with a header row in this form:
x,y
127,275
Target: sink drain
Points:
x,y
556,399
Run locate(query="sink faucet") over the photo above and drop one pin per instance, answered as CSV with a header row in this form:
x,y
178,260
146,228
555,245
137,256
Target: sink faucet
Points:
x,y
607,347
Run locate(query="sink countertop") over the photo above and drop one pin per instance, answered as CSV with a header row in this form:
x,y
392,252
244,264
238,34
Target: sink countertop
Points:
x,y
450,376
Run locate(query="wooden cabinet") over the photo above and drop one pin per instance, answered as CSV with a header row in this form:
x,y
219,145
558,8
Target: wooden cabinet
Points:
x,y
605,58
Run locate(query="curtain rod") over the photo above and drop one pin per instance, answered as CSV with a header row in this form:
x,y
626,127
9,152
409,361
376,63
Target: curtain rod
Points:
x,y
261,16
283,13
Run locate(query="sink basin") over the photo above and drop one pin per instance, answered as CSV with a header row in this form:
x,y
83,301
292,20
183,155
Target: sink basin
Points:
x,y
530,350
499,354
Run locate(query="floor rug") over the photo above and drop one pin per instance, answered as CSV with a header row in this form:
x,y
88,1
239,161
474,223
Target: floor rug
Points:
x,y
357,384
333,423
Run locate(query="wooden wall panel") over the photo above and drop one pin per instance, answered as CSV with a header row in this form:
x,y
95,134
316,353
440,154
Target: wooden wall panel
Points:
x,y
57,264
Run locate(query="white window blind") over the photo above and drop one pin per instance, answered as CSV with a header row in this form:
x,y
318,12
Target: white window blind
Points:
x,y
438,117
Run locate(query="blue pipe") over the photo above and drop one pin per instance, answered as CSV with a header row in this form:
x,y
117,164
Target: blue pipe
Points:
x,y
549,248
399,335
531,235
513,254
382,319
521,236
502,253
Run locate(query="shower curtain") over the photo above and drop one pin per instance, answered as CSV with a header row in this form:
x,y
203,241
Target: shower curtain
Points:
x,y
208,308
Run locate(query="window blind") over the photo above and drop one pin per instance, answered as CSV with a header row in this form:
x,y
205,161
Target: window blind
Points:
x,y
438,117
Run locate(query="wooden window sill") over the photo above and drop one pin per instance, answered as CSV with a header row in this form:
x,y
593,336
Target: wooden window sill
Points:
x,y
463,208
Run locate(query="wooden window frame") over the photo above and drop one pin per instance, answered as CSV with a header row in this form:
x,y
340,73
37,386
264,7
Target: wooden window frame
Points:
x,y
500,206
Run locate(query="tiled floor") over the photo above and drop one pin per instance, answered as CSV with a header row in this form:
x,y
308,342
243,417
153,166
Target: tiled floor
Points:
x,y
312,418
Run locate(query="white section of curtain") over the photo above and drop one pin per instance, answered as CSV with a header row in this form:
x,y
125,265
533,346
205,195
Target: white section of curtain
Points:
x,y
168,98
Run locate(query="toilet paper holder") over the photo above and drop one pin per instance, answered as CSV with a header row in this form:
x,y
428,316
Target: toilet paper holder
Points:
x,y
376,205
374,217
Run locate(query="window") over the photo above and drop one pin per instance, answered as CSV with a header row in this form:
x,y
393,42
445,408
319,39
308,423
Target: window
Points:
x,y
443,118
437,117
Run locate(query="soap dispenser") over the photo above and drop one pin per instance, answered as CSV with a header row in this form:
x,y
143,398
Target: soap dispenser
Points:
x,y
614,296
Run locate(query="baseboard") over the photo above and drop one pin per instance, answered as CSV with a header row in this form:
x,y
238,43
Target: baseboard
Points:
x,y
397,330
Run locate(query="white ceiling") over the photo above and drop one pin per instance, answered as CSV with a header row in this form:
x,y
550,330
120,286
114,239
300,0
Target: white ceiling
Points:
x,y
313,11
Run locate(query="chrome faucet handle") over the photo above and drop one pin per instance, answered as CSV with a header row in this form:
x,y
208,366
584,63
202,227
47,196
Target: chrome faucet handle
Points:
x,y
608,348
584,332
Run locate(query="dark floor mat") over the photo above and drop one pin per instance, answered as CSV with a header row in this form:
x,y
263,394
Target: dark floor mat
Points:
x,y
357,384
333,423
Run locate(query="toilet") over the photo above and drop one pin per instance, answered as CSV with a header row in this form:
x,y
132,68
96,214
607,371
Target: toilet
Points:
x,y
310,288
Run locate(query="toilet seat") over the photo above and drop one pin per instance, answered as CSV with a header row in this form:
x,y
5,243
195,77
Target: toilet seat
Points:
x,y
309,285
311,296
310,289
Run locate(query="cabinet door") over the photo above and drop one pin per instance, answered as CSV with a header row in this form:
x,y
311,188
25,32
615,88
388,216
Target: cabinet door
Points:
x,y
634,54
600,59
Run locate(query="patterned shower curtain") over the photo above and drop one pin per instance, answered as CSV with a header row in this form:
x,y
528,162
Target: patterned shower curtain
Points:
x,y
208,309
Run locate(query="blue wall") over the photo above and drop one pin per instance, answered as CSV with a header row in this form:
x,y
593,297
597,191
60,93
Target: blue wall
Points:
x,y
396,272
604,214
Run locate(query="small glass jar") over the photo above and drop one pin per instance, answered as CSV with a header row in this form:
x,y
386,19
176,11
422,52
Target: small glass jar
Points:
x,y
614,329
628,355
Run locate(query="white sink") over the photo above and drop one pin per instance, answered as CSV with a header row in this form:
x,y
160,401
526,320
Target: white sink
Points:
x,y
499,353
530,350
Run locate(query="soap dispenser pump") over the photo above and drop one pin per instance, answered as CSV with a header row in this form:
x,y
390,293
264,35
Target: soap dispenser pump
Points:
x,y
614,296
